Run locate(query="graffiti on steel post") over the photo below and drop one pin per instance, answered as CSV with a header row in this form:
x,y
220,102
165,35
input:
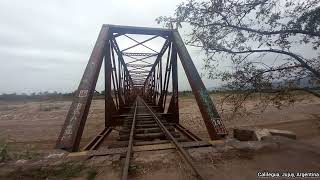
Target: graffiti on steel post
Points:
x,y
69,129
83,93
214,117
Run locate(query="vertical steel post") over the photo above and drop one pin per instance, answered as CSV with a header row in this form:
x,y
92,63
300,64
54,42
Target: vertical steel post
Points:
x,y
126,93
71,132
174,104
160,85
209,113
164,91
115,76
108,102
154,87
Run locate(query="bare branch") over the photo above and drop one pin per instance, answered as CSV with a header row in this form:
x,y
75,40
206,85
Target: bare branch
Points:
x,y
284,31
281,68
308,90
295,56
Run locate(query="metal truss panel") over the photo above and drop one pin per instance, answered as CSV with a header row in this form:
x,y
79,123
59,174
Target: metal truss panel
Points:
x,y
209,113
71,132
147,75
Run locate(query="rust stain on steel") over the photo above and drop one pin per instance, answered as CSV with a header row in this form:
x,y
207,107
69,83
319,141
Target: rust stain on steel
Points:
x,y
174,103
71,132
209,113
131,79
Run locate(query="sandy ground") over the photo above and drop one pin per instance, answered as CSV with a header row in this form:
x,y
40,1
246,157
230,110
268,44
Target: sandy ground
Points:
x,y
38,123
299,117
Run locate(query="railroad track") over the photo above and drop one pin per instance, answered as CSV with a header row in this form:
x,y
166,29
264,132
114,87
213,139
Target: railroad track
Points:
x,y
145,128
145,124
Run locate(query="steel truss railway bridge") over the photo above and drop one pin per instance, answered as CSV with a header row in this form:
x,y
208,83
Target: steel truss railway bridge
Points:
x,y
137,100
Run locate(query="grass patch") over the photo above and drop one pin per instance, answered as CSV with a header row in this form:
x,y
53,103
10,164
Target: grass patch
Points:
x,y
4,151
28,153
137,169
8,153
91,174
61,172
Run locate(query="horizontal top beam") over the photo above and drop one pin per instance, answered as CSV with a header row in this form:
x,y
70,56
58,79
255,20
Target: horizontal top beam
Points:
x,y
138,85
138,54
139,30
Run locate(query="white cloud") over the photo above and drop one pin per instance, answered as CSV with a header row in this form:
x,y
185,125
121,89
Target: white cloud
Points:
x,y
44,45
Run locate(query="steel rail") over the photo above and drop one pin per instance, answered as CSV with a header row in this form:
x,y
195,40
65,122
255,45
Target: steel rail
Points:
x,y
95,142
187,133
185,155
129,151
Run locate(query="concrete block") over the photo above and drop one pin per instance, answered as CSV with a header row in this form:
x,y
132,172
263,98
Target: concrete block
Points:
x,y
255,134
287,134
243,134
260,133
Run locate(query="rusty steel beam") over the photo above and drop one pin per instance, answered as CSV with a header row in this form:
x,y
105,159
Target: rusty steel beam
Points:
x,y
110,108
164,90
187,133
71,132
139,30
138,54
139,60
136,78
140,43
162,51
138,81
96,142
145,57
140,65
137,75
137,68
115,79
137,84
120,57
174,103
138,72
209,113
151,76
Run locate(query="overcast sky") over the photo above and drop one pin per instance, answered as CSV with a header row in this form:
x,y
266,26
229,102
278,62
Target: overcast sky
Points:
x,y
45,45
